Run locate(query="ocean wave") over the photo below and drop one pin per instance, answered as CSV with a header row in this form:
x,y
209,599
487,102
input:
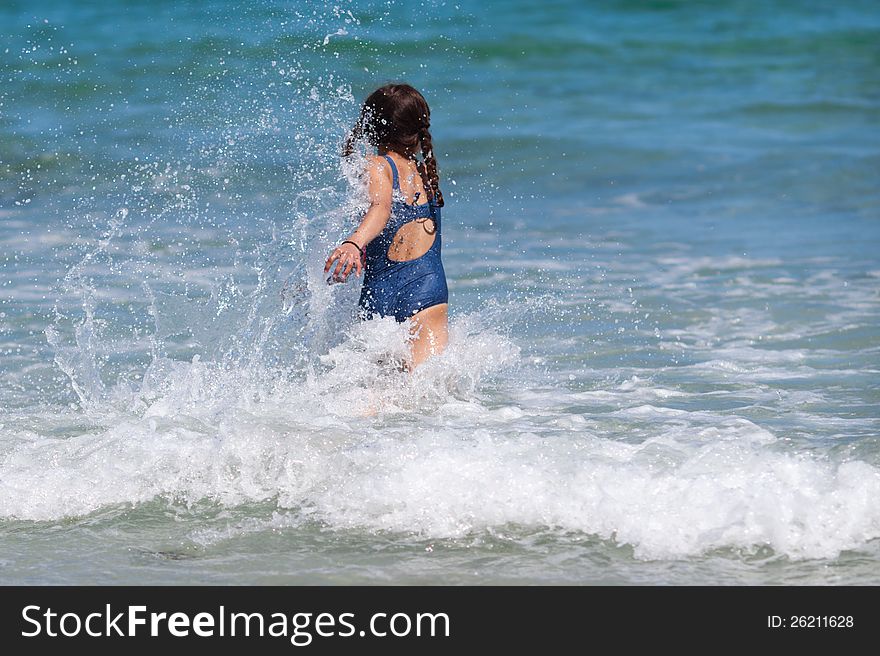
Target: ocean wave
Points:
x,y
362,447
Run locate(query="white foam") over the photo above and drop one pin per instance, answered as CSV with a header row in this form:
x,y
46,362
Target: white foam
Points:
x,y
629,200
361,447
692,265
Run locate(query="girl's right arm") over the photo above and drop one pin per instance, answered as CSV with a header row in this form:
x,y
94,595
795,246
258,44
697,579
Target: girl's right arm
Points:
x,y
346,256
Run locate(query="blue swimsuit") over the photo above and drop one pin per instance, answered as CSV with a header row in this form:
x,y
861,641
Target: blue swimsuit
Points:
x,y
400,289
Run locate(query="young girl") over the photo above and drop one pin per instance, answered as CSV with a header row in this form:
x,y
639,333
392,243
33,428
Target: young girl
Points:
x,y
397,244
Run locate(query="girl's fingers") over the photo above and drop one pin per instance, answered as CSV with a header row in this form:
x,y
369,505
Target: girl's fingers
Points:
x,y
346,263
344,266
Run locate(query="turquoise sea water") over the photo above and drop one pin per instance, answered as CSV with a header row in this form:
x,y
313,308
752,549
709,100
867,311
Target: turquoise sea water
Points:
x,y
661,237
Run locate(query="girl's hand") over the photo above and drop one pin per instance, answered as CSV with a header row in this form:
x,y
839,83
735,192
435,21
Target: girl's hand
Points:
x,y
348,258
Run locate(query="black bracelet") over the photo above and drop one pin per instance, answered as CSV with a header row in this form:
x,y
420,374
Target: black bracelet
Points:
x,y
349,241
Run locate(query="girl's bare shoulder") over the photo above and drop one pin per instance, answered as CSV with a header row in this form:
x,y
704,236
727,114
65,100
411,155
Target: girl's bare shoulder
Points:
x,y
378,165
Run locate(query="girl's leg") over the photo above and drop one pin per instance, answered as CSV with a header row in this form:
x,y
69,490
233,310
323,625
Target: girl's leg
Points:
x,y
430,327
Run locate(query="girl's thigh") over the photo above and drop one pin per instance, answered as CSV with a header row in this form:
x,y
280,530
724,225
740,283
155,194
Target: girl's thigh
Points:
x,y
430,327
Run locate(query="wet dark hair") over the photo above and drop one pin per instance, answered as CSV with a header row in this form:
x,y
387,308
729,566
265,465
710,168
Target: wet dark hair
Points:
x,y
396,117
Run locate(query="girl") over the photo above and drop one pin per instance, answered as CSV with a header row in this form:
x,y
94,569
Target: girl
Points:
x,y
397,244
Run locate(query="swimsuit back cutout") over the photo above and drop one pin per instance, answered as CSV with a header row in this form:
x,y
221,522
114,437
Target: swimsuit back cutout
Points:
x,y
402,213
400,288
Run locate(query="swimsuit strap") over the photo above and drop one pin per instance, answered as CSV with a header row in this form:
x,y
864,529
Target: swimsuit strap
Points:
x,y
395,181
